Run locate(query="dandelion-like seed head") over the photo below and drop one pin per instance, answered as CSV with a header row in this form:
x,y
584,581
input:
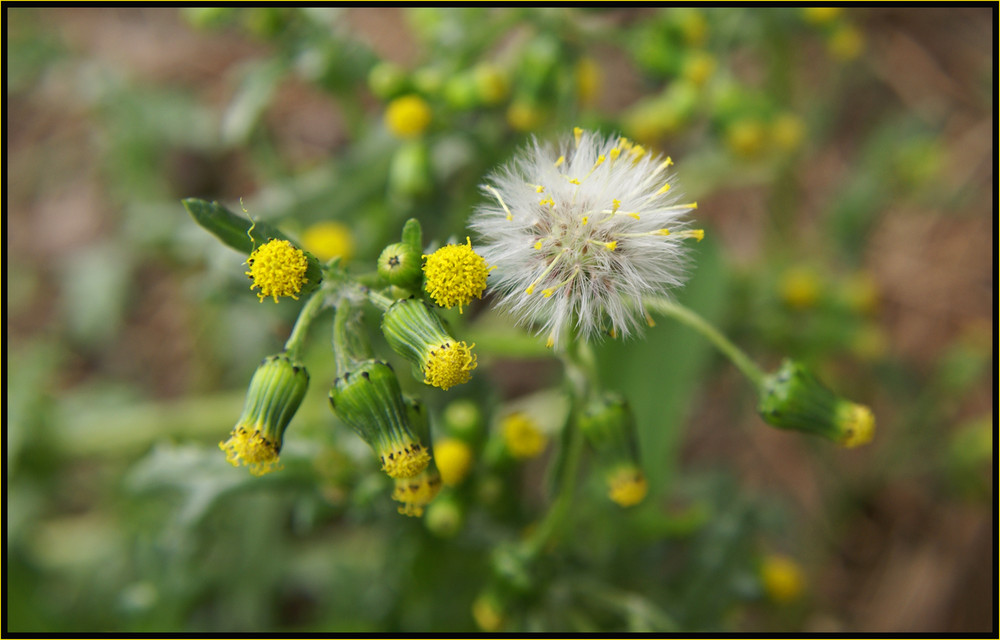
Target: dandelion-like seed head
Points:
x,y
455,275
580,233
277,268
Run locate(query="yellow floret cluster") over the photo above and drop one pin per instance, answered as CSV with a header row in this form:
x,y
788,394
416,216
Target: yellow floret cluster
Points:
x,y
455,275
408,116
253,449
449,364
405,462
857,424
277,268
416,493
454,459
522,436
781,578
628,487
327,240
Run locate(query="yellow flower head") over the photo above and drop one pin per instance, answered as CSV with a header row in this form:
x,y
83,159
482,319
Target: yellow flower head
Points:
x,y
746,138
275,392
856,423
588,80
627,486
277,268
488,613
781,578
327,240
252,449
454,459
800,288
524,116
523,437
416,492
821,15
450,364
455,275
408,116
787,131
846,43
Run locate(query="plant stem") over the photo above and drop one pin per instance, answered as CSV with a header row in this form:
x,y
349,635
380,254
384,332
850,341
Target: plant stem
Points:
x,y
581,372
699,324
312,308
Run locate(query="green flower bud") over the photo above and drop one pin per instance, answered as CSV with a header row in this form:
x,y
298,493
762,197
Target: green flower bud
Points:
x,y
387,80
463,419
609,426
274,395
445,516
409,170
793,398
415,332
461,91
368,399
401,265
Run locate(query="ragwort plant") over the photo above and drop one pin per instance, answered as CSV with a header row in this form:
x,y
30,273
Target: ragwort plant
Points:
x,y
579,241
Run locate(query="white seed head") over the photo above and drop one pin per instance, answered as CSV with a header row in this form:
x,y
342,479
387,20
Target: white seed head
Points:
x,y
580,233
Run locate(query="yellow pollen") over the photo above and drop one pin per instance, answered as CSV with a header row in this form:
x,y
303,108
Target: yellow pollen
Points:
x,y
611,246
277,269
522,436
530,290
665,188
550,341
406,462
637,152
455,275
573,181
548,292
585,220
449,364
577,134
615,205
539,189
561,160
547,201
538,245
253,449
697,234
663,232
531,287
503,204
614,153
628,487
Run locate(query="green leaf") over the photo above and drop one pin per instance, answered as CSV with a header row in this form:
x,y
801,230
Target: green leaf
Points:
x,y
233,230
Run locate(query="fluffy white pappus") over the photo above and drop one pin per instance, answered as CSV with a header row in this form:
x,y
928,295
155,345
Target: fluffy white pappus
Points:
x,y
580,233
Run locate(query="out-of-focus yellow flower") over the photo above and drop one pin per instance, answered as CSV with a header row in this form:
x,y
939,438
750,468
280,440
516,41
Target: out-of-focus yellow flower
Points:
x,y
454,459
821,15
491,83
860,292
524,116
487,612
694,27
327,240
846,43
588,80
522,436
800,287
699,67
408,116
781,578
746,137
787,131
